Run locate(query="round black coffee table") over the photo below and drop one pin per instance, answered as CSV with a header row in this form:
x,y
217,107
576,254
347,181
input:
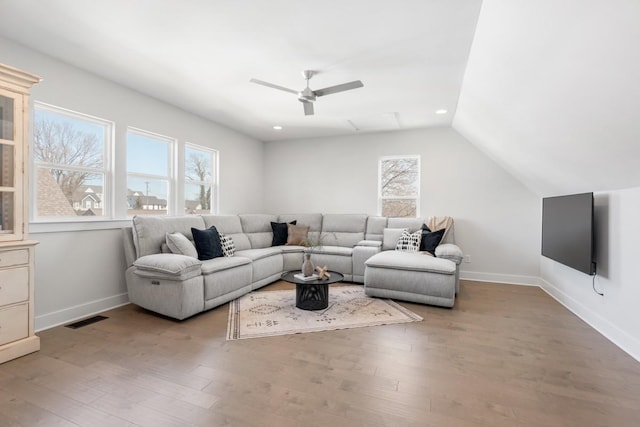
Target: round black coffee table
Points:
x,y
312,294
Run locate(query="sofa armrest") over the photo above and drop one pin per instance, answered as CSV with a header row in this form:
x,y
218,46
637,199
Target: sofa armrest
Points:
x,y
167,266
370,243
449,251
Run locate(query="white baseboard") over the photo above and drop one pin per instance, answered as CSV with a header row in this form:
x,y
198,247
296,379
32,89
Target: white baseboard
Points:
x,y
56,318
626,342
510,279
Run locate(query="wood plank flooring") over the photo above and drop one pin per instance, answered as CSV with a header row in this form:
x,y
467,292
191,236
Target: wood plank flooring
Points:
x,y
503,356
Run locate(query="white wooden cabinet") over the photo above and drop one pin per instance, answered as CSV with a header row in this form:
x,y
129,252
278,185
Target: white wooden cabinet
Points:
x,y
17,336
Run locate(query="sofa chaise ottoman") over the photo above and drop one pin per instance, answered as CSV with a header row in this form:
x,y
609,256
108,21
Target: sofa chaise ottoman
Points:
x,y
417,277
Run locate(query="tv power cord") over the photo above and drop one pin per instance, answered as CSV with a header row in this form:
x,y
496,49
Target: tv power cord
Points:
x,y
593,285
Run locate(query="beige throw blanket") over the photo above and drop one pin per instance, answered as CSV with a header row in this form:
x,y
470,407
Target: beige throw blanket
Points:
x,y
436,223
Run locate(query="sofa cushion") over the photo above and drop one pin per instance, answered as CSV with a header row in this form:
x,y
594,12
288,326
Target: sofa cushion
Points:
x,y
256,254
313,220
409,242
343,229
229,225
297,235
414,261
332,250
375,227
411,224
430,239
280,232
223,263
207,243
168,266
179,244
257,228
390,238
149,232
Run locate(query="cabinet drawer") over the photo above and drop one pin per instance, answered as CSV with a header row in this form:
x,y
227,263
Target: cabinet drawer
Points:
x,y
14,285
17,257
14,323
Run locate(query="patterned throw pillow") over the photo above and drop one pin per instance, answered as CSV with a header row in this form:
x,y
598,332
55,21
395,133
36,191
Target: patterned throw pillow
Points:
x,y
409,242
228,247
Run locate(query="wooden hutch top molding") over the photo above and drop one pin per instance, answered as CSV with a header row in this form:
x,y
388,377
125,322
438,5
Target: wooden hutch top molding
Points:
x,y
16,79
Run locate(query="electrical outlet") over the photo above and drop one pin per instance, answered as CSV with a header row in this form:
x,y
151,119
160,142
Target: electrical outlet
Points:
x,y
467,258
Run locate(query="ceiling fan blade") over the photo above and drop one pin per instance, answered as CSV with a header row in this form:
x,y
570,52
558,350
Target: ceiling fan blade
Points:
x,y
338,88
308,108
271,85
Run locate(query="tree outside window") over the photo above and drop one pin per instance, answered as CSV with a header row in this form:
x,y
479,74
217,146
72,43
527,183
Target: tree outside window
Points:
x,y
199,183
399,186
69,155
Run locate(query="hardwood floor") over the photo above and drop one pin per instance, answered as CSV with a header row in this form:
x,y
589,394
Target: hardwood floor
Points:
x,y
503,356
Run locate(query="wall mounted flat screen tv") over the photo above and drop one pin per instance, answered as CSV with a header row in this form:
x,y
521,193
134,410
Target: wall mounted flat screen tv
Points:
x,y
568,231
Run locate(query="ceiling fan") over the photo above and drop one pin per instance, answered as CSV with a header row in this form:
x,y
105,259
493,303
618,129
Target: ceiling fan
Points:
x,y
308,96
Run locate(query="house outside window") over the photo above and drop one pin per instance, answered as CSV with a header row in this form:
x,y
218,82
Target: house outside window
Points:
x,y
399,186
149,172
70,159
200,172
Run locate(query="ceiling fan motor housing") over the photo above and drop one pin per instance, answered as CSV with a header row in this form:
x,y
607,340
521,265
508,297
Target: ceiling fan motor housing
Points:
x,y
306,95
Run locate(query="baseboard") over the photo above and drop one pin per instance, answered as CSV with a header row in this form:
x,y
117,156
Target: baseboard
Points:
x,y
510,279
61,317
626,342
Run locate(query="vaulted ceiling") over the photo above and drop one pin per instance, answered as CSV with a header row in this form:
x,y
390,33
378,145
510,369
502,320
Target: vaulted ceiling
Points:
x,y
548,89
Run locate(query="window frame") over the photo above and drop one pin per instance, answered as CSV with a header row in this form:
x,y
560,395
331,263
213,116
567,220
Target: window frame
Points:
x,y
106,170
393,197
215,155
171,178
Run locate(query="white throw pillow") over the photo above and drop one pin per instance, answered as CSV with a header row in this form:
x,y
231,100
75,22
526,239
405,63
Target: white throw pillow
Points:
x,y
409,242
390,237
179,244
228,247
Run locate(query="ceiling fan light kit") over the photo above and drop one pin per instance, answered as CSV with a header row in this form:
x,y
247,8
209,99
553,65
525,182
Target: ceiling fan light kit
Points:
x,y
308,96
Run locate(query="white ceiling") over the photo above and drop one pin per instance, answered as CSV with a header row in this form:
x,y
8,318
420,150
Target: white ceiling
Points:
x,y
200,55
549,89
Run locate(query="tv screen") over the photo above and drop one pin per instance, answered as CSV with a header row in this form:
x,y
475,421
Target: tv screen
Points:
x,y
567,231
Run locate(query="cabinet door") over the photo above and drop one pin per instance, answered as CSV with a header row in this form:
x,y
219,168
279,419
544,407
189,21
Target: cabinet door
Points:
x,y
11,146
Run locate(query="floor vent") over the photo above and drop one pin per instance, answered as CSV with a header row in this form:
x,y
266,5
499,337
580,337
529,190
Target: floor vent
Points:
x,y
85,322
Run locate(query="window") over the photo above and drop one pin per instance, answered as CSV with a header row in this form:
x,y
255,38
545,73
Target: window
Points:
x,y
200,191
399,186
71,164
149,172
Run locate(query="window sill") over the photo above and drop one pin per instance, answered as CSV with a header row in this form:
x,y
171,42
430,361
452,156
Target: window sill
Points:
x,y
64,226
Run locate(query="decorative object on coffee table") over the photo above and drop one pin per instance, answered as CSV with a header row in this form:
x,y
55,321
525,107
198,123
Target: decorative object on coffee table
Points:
x,y
307,265
312,294
323,272
270,313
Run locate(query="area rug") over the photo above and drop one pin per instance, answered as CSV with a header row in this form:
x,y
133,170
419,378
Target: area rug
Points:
x,y
270,313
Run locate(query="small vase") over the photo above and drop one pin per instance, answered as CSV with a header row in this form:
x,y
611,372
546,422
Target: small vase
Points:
x,y
307,265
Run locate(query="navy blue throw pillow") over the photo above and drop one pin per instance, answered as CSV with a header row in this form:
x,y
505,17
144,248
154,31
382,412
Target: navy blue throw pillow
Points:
x,y
280,233
207,243
430,239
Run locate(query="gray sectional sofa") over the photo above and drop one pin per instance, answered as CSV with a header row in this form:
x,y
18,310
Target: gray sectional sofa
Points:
x,y
180,286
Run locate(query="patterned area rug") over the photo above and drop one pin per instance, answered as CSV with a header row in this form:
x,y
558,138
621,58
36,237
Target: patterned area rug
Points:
x,y
269,313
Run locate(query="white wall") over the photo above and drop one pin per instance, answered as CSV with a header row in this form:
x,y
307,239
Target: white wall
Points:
x,y
615,314
82,272
497,219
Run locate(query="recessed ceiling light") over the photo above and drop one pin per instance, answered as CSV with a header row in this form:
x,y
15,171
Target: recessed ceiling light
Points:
x,y
277,127
442,111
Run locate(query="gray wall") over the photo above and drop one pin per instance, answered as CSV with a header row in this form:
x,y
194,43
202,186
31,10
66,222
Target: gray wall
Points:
x,y
80,267
497,219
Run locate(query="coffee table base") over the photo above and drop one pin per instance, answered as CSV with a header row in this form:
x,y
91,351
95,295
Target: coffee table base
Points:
x,y
312,296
